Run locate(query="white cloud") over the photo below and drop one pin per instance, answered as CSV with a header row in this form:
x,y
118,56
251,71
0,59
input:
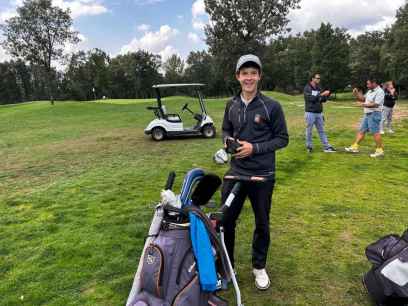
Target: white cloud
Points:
x,y
167,52
356,16
193,37
198,25
198,8
7,14
143,27
81,7
200,17
78,8
156,42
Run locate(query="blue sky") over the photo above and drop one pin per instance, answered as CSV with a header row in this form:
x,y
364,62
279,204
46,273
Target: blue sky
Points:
x,y
160,26
170,27
156,25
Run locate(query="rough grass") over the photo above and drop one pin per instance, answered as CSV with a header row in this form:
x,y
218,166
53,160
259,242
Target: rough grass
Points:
x,y
78,183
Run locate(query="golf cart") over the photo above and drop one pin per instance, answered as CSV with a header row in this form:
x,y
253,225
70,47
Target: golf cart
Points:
x,y
172,125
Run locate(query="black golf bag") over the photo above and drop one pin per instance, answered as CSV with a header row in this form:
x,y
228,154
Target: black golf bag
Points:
x,y
387,280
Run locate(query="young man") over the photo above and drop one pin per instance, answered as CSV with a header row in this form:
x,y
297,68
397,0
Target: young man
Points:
x,y
258,123
314,100
372,104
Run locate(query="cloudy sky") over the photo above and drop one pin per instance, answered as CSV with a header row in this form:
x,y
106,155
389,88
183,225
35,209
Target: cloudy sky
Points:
x,y
170,27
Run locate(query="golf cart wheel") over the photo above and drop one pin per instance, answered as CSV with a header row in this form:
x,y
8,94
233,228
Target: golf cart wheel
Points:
x,y
158,134
208,131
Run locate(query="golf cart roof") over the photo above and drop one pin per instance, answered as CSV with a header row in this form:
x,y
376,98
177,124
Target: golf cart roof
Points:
x,y
178,85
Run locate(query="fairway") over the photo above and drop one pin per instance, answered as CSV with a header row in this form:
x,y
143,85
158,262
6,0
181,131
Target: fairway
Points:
x,y
79,181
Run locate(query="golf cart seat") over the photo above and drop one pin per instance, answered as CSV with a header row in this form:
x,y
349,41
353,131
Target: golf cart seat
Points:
x,y
174,118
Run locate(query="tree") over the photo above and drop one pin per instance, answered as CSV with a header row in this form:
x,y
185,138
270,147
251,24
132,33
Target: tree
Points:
x,y
366,57
198,67
133,74
397,48
173,69
288,62
200,70
241,26
15,82
9,89
38,34
98,67
331,56
277,65
77,82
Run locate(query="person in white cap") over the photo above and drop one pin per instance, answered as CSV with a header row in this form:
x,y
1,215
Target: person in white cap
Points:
x,y
257,122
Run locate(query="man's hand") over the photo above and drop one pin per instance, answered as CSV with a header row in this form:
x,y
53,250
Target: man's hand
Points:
x,y
358,94
325,93
359,103
245,150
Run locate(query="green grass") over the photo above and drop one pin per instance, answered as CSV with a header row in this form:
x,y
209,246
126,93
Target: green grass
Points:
x,y
78,183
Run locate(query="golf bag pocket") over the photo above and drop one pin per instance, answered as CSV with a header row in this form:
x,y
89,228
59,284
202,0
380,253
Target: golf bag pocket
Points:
x,y
153,266
189,294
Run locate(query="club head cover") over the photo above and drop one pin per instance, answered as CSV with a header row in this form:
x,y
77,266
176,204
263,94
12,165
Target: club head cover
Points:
x,y
205,189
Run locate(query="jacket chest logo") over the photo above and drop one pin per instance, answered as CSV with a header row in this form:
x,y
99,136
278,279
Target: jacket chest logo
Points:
x,y
258,119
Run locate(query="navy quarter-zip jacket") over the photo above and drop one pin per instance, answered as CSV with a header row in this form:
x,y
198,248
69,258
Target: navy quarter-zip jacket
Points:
x,y
261,123
313,100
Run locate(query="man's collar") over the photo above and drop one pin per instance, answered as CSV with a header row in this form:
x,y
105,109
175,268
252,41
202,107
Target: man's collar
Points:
x,y
239,96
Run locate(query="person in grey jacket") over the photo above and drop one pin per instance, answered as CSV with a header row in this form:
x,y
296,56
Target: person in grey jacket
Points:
x,y
314,100
257,122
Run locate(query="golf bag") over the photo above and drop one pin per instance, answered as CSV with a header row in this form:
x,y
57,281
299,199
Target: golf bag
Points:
x,y
168,272
169,275
387,280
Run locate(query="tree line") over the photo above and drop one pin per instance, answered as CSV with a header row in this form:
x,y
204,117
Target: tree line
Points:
x,y
288,60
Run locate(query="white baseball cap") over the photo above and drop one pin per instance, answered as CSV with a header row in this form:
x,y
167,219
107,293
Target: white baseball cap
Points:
x,y
248,58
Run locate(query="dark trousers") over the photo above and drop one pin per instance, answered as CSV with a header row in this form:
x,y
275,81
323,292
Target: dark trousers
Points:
x,y
260,195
